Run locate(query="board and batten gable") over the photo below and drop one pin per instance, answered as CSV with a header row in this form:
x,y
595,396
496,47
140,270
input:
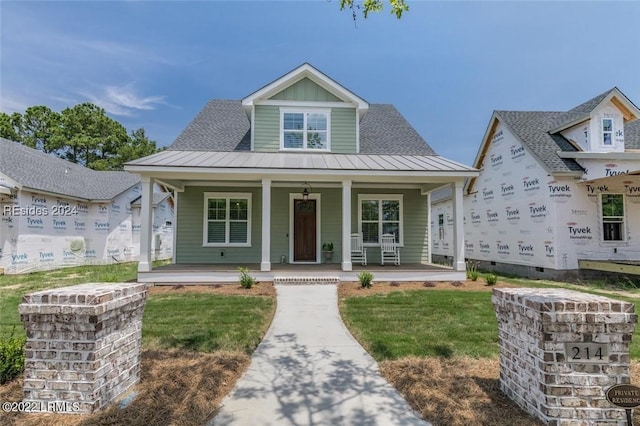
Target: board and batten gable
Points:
x,y
304,94
305,90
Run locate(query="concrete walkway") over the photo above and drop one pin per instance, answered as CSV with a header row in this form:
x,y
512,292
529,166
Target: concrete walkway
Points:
x,y
309,370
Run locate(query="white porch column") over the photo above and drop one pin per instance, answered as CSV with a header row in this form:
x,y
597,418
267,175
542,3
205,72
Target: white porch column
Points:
x,y
429,238
265,264
146,219
458,227
346,226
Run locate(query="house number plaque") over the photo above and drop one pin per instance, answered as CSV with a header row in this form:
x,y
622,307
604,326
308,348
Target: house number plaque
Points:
x,y
586,353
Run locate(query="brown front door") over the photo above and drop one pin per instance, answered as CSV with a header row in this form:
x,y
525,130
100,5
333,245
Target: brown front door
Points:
x,y
304,231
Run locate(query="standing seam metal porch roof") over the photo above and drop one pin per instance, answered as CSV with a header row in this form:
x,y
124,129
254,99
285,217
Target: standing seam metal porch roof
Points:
x,y
300,161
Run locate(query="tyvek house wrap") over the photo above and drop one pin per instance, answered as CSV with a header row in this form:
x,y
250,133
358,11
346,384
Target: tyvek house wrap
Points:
x,y
42,232
518,214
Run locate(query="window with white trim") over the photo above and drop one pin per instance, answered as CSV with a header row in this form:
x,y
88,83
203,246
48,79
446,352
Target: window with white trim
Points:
x,y
305,130
380,214
227,219
612,217
607,131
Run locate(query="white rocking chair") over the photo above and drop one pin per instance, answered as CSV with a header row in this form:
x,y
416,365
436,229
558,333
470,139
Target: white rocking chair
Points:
x,y
389,250
358,252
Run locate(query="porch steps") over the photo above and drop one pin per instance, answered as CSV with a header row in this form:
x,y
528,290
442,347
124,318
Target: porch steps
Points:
x,y
305,280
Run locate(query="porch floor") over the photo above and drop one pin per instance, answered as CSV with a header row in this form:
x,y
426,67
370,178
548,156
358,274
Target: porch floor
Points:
x,y
226,272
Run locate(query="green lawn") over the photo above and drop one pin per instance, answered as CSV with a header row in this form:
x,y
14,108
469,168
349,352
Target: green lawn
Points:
x,y
195,321
427,323
206,322
424,323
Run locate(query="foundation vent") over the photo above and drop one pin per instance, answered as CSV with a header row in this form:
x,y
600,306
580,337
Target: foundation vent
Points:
x,y
305,280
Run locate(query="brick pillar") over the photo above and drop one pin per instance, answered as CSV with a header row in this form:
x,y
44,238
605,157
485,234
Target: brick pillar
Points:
x,y
560,350
83,345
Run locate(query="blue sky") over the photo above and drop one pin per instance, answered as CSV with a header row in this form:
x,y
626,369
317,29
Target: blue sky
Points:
x,y
445,65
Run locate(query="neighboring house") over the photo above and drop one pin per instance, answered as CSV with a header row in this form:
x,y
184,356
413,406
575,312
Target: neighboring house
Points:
x,y
268,179
558,193
54,213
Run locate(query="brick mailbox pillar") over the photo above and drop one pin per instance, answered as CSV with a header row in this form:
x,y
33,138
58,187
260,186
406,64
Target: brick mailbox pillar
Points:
x,y
83,345
560,351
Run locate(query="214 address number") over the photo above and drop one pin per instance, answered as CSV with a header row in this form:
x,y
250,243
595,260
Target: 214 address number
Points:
x,y
581,353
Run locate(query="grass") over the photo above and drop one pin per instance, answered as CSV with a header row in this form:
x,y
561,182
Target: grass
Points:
x,y
205,322
424,323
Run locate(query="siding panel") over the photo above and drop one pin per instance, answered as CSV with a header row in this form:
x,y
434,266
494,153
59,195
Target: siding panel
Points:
x,y
414,210
343,130
267,128
190,216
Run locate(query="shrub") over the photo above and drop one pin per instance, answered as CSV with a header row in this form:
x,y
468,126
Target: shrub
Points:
x,y
429,284
472,270
491,279
11,357
457,283
327,247
246,280
365,279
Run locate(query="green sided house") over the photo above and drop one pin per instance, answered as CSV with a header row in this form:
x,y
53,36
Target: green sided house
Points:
x,y
269,181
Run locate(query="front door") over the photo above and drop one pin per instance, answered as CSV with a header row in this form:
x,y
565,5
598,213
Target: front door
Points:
x,y
304,231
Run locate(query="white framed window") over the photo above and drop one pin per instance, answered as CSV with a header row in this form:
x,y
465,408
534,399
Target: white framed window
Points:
x,y
307,129
227,219
380,214
612,217
607,131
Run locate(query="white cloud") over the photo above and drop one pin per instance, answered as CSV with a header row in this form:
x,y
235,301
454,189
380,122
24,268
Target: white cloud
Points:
x,y
10,103
123,100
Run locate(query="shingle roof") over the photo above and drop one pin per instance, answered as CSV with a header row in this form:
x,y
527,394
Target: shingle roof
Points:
x,y
582,111
632,135
383,130
222,125
532,127
40,171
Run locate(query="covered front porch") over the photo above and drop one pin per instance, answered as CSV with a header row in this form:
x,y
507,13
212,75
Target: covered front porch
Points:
x,y
274,212
228,273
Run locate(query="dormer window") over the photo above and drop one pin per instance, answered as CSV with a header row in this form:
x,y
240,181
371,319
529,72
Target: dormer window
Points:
x,y
607,131
304,130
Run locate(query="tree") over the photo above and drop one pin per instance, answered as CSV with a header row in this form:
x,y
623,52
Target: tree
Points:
x,y
398,7
9,128
82,134
39,124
